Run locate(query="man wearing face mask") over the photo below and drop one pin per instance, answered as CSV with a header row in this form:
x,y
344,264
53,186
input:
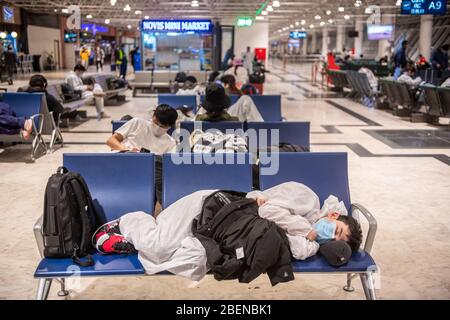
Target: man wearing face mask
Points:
x,y
151,135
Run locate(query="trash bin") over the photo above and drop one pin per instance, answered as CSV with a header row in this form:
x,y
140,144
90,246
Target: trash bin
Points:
x,y
36,63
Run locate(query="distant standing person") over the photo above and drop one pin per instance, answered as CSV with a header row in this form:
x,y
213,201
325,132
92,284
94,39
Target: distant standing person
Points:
x,y
10,62
248,57
121,61
84,56
439,59
400,60
99,58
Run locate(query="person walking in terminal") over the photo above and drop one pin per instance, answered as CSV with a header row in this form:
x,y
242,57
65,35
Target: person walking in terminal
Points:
x,y
439,59
11,124
151,135
121,61
84,56
75,81
400,60
248,57
10,58
99,57
239,72
38,83
217,107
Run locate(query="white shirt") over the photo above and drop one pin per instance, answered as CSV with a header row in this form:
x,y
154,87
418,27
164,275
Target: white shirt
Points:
x,y
75,82
406,78
446,83
140,133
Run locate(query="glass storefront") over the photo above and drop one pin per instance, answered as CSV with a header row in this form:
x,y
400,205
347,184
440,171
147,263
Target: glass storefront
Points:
x,y
177,45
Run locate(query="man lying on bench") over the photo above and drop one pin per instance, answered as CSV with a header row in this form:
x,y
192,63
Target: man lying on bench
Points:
x,y
11,124
169,242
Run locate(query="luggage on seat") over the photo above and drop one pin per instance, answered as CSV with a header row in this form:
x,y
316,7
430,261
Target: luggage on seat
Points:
x,y
217,142
69,217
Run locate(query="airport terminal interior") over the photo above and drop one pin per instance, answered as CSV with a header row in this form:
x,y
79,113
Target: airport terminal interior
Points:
x,y
348,98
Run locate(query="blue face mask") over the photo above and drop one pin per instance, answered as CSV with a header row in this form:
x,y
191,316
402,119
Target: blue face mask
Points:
x,y
325,230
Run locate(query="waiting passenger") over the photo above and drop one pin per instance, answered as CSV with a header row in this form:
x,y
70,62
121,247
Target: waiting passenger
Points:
x,y
190,87
229,83
409,77
151,135
75,81
213,76
439,58
11,124
239,72
400,60
217,107
38,83
373,80
168,243
10,58
422,63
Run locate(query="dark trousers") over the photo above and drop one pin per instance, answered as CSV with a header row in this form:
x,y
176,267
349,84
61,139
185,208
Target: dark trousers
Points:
x,y
123,70
99,65
9,123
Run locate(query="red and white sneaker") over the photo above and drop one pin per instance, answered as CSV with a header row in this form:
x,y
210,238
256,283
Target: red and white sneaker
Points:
x,y
108,243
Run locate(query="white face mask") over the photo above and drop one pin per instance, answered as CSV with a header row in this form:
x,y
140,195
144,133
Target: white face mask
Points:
x,y
157,130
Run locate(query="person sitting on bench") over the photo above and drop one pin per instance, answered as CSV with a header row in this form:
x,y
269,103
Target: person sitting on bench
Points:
x,y
409,78
75,81
217,107
167,242
151,135
11,124
38,83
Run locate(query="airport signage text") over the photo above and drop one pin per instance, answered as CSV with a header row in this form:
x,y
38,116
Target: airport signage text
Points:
x,y
418,7
201,26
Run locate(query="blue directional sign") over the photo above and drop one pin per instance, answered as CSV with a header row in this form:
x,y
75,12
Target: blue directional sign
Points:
x,y
418,7
297,35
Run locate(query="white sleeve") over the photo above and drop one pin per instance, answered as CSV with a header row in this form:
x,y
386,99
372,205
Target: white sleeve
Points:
x,y
128,127
172,147
301,247
75,84
293,224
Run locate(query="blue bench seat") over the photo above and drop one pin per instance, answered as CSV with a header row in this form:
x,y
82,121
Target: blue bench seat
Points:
x,y
359,262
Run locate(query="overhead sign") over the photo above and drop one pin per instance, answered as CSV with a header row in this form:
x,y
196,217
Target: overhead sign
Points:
x,y
8,14
244,22
298,34
201,26
94,28
418,7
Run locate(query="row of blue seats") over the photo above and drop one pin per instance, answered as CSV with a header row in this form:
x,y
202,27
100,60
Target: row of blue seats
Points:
x,y
293,132
33,106
269,106
122,183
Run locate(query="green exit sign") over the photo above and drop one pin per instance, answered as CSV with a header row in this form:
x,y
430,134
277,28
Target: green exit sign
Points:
x,y
244,22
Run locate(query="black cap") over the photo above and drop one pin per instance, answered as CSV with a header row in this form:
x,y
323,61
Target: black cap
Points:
x,y
216,99
336,252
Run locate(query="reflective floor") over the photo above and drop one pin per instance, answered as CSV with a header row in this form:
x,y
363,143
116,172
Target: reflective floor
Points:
x,y
406,189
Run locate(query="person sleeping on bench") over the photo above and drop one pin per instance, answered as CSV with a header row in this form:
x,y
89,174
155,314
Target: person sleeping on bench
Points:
x,y
10,124
167,242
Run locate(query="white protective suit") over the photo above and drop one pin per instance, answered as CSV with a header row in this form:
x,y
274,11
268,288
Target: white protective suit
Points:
x,y
167,243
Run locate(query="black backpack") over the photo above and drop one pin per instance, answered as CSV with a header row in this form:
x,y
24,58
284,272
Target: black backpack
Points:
x,y
70,218
69,94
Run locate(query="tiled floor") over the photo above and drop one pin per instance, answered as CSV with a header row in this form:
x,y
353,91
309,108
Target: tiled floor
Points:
x,y
407,189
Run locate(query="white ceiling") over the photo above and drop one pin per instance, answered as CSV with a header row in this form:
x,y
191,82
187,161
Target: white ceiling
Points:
x,y
227,11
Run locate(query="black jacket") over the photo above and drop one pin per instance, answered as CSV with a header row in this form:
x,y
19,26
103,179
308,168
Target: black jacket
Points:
x,y
52,103
240,244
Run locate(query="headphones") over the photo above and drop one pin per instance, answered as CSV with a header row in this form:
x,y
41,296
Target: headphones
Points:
x,y
38,81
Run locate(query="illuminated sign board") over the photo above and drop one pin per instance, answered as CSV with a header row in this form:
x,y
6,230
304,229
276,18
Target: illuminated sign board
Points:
x,y
199,26
244,22
418,7
298,35
94,28
8,14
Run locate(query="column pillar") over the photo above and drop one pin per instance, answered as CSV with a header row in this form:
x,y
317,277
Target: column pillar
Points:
x,y
305,46
359,26
314,42
426,32
384,45
325,41
340,32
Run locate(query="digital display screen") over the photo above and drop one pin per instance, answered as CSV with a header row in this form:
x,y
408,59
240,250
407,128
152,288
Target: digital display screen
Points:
x,y
94,28
380,32
70,37
418,7
197,26
298,35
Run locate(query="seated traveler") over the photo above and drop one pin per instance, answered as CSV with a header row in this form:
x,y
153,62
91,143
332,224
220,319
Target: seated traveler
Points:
x,y
217,107
373,81
229,83
239,72
191,87
38,83
152,135
11,124
169,242
75,81
409,78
